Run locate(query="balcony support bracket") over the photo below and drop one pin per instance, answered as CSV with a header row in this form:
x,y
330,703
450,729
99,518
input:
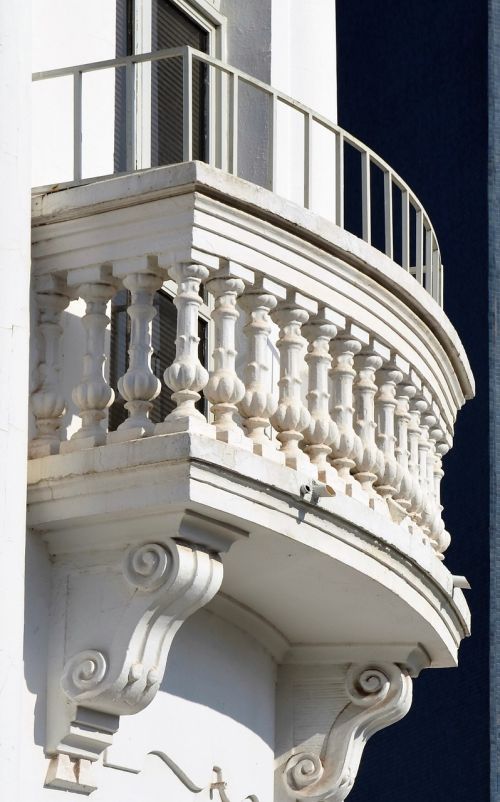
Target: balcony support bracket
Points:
x,y
116,609
371,696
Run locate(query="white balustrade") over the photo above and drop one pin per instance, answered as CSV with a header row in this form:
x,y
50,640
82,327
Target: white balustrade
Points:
x,y
389,479
139,386
404,393
346,452
48,403
370,460
186,376
322,431
365,430
291,416
93,395
225,389
258,403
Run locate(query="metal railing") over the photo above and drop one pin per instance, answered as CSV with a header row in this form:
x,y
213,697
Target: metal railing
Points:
x,y
393,220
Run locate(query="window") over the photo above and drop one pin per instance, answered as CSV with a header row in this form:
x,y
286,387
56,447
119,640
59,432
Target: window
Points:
x,y
163,343
151,25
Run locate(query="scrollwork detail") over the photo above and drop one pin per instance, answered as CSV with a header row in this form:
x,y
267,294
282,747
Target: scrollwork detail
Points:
x,y
147,567
83,673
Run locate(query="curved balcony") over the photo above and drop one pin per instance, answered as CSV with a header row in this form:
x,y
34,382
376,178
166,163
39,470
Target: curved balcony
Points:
x,y
312,439
352,186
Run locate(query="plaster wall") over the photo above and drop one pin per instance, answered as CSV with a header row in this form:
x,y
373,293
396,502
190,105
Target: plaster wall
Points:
x,y
14,343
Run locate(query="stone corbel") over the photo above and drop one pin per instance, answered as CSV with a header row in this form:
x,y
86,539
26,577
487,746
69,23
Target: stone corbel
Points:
x,y
375,696
117,612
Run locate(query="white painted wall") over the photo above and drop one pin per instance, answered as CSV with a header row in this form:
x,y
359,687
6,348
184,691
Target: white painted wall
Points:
x,y
304,66
14,344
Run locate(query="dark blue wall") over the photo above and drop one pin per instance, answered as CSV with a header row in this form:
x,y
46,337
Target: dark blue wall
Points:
x,y
413,86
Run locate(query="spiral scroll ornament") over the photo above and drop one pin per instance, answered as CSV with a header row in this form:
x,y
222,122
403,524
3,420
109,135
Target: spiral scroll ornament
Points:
x,y
147,567
83,673
366,686
303,770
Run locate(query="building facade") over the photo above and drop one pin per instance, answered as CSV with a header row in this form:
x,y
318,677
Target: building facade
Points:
x,y
242,387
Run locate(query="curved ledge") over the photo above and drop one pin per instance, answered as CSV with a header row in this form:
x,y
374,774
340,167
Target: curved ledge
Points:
x,y
120,192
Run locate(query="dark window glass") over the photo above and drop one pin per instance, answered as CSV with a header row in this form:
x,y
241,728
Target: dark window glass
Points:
x,y
163,343
172,28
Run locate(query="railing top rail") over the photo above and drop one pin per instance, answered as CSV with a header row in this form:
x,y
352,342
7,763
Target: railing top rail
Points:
x,y
312,115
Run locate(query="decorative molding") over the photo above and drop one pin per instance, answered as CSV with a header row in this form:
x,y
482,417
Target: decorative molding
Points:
x,y
372,696
117,612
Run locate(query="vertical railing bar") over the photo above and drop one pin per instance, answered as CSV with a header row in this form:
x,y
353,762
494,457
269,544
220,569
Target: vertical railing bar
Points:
x,y
273,143
440,296
388,221
187,105
233,122
419,249
366,197
429,267
130,117
405,229
77,125
307,160
339,179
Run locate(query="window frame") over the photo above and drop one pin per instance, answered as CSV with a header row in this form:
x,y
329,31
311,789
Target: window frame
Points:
x,y
205,14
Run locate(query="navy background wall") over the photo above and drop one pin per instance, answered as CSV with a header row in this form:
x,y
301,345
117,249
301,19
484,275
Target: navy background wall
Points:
x,y
412,83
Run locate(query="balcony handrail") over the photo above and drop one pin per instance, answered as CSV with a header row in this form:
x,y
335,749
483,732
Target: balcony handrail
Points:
x,y
427,269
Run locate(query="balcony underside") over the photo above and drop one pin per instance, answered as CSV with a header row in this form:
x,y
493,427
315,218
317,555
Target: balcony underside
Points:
x,y
333,580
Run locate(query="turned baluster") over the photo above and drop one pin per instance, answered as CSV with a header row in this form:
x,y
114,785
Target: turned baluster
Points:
x,y
420,403
258,404
186,376
404,393
441,536
291,416
225,389
414,434
370,460
93,395
139,386
322,430
346,451
47,400
388,480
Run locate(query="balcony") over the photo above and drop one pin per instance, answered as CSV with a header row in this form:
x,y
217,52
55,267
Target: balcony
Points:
x,y
330,400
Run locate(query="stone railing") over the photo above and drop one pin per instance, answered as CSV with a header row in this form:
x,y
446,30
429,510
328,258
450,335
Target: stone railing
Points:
x,y
324,168
347,410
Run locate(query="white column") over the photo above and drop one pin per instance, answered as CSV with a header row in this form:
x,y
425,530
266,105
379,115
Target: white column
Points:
x,y
15,202
404,393
385,406
346,452
291,416
186,376
93,395
225,389
139,386
370,460
258,403
322,431
47,401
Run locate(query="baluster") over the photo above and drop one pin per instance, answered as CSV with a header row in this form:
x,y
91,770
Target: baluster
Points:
x,y
404,393
291,416
258,404
426,511
322,430
436,525
414,434
388,480
47,400
369,460
346,452
442,536
93,395
139,386
186,376
225,389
